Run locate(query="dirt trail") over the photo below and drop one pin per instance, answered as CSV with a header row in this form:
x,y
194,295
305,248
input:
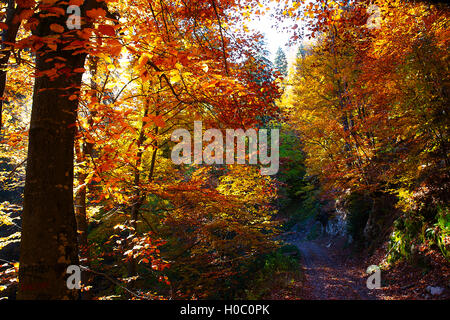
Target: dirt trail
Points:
x,y
333,272
328,278
329,272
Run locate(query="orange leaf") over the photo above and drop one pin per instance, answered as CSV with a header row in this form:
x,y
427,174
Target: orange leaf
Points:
x,y
95,13
56,28
25,14
107,30
52,46
159,121
76,2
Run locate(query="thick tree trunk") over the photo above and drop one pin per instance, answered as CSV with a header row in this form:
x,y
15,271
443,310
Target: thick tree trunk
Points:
x,y
49,230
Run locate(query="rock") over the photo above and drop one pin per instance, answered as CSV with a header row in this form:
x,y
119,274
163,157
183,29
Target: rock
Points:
x,y
337,225
435,291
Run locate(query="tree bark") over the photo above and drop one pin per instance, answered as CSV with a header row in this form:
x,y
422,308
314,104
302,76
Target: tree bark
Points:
x,y
49,230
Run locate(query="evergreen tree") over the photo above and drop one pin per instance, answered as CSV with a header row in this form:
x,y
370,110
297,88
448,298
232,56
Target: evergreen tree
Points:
x,y
281,63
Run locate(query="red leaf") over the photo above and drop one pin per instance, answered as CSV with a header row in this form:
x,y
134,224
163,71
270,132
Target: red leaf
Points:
x,y
107,30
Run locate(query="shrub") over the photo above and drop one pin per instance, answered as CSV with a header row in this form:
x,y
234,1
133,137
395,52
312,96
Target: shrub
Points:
x,y
273,272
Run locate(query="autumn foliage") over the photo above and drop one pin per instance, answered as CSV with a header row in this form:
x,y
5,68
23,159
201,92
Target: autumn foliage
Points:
x,y
370,100
365,108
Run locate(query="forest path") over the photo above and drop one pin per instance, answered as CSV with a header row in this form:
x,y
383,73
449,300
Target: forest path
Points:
x,y
330,273
329,278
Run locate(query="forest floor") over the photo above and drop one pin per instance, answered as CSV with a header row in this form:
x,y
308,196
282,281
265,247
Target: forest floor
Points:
x,y
329,275
332,271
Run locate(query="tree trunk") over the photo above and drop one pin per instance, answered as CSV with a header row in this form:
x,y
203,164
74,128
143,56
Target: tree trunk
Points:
x,y
80,206
134,216
8,36
49,230
83,150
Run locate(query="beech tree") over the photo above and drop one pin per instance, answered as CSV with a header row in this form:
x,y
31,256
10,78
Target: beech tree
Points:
x,y
194,62
49,231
